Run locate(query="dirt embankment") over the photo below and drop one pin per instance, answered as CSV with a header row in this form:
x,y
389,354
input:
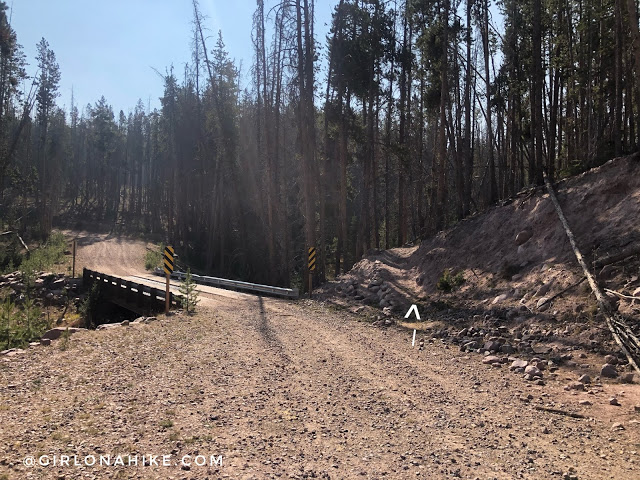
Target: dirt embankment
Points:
x,y
516,256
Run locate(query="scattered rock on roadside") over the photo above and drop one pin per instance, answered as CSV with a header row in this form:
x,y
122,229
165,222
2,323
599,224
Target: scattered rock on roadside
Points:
x,y
491,359
627,377
575,386
57,332
519,365
533,371
584,379
608,370
612,359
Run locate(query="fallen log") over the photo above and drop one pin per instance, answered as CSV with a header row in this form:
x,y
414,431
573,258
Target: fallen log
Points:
x,y
629,252
602,302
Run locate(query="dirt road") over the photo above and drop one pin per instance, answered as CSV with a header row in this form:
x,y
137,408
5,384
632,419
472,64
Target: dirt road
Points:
x,y
295,390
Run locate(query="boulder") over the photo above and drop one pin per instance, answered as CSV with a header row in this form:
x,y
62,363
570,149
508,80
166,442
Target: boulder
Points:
x,y
57,332
584,379
523,237
612,359
533,371
491,359
519,363
507,349
608,370
575,386
626,377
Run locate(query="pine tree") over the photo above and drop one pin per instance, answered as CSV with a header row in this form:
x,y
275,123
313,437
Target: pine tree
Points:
x,y
189,293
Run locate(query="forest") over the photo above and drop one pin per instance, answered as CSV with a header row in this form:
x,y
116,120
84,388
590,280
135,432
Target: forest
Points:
x,y
409,116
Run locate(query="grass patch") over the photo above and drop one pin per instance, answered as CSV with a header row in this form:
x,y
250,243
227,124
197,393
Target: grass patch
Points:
x,y
166,423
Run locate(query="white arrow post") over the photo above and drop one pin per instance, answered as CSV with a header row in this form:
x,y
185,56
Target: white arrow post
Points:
x,y
414,308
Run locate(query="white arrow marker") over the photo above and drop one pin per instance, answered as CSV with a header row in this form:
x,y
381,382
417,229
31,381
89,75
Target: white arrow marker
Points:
x,y
413,308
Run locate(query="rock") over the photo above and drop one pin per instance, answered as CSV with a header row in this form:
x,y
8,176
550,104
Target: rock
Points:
x,y
58,284
383,303
584,379
575,386
139,320
462,333
519,364
543,304
614,401
608,371
626,378
374,288
472,345
544,289
150,319
617,427
492,346
45,342
533,371
12,352
57,332
388,311
585,403
523,237
359,309
358,297
491,359
507,349
388,322
637,408
500,298
612,359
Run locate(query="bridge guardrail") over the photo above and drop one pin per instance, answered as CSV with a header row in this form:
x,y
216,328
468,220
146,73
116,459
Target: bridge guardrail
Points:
x,y
292,293
132,295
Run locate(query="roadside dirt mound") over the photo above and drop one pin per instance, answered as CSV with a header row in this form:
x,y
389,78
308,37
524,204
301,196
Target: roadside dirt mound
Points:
x,y
513,257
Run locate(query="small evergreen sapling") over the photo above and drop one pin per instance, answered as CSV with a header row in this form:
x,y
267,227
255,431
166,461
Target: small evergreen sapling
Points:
x,y
189,293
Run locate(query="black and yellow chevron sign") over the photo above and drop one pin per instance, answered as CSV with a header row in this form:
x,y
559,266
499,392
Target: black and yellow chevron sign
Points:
x,y
312,258
168,259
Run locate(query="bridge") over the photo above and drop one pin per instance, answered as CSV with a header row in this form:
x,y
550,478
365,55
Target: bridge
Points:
x,y
137,297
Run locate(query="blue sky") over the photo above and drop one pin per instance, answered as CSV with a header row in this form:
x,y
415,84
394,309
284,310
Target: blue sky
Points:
x,y
110,48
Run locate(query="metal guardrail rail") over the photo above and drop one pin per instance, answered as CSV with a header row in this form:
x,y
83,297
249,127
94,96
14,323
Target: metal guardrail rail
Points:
x,y
292,293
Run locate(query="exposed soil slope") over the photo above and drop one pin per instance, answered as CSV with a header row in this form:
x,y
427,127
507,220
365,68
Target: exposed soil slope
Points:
x,y
508,278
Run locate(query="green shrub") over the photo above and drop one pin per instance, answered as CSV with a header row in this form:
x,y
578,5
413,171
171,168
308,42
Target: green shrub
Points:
x,y
19,326
44,257
89,307
449,282
189,293
153,258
